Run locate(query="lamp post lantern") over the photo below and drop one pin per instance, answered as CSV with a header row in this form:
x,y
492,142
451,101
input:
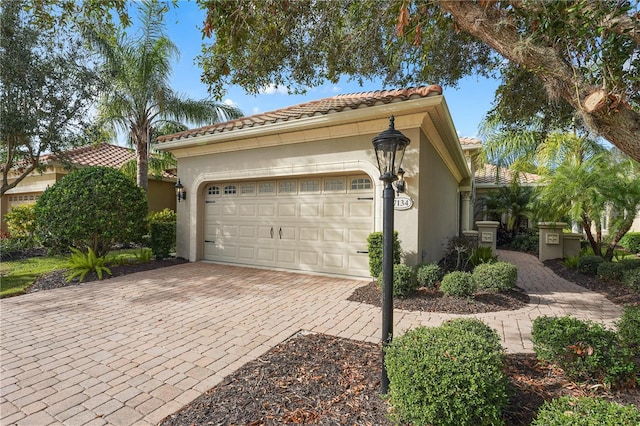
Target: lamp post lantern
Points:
x,y
389,146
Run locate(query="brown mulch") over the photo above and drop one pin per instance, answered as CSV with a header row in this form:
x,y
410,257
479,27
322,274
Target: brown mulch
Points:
x,y
431,300
325,380
56,279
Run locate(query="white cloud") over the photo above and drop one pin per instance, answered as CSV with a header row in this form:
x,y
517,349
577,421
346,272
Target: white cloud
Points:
x,y
229,102
272,89
255,110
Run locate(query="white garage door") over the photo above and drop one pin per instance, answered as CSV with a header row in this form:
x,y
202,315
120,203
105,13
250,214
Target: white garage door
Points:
x,y
315,224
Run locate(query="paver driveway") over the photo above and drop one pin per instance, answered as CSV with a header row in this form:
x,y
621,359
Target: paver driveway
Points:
x,y
133,349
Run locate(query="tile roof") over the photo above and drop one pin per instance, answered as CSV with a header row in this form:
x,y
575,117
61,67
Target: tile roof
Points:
x,y
102,154
309,109
470,142
487,176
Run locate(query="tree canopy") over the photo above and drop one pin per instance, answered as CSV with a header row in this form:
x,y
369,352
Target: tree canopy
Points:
x,y
558,60
47,87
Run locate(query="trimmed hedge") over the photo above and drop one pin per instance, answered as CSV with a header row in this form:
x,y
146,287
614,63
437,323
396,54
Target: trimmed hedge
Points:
x,y
404,280
632,279
447,375
374,246
496,277
631,242
458,284
429,275
585,350
589,264
629,328
586,411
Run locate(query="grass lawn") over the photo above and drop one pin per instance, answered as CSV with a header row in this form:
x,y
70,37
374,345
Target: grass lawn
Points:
x,y
17,275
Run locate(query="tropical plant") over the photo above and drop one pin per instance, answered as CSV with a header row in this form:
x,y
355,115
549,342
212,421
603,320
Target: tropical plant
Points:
x,y
513,201
21,221
81,264
93,207
141,100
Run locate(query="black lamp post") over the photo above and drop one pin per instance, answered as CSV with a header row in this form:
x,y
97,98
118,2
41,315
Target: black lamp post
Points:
x,y
389,146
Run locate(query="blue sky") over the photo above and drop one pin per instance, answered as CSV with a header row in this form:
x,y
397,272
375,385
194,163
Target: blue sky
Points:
x,y
468,103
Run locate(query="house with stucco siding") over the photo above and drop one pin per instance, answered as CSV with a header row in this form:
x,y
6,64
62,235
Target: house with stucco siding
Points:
x,y
298,188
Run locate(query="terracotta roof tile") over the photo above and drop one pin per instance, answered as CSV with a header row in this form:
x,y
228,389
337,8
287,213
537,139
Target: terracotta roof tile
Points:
x,y
103,154
487,176
469,142
324,106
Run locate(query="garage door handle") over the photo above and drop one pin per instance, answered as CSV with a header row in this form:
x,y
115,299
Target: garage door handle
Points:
x,y
280,233
362,252
271,232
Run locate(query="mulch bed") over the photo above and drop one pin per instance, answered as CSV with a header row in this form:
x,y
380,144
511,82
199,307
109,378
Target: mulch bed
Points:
x,y
430,300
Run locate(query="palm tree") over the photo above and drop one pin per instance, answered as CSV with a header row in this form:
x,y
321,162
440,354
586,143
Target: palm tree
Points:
x,y
513,201
140,99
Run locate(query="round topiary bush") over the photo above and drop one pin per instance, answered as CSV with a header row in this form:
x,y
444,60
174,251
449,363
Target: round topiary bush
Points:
x,y
404,280
499,276
632,278
374,247
429,275
587,411
95,208
629,329
458,284
447,375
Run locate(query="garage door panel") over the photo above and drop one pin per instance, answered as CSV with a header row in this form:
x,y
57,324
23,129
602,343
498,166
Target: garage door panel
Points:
x,y
358,236
287,210
267,210
229,209
360,210
287,233
333,260
247,253
333,235
333,210
266,254
310,210
248,210
229,231
247,231
309,258
309,234
287,256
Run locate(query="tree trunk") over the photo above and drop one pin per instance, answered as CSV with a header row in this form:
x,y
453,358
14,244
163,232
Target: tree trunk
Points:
x,y
614,121
142,151
624,228
586,225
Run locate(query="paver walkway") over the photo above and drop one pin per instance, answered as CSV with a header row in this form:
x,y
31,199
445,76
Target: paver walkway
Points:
x,y
133,349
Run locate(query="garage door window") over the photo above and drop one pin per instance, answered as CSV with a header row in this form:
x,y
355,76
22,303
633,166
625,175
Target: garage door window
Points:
x,y
334,185
214,190
267,188
310,186
248,189
360,183
287,187
230,190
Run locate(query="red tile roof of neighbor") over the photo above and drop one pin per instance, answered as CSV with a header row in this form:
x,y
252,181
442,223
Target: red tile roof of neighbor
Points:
x,y
309,109
487,176
102,154
470,142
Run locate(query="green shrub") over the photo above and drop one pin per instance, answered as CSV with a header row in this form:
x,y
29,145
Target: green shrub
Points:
x,y
481,255
629,263
448,375
143,255
586,411
610,271
631,242
166,215
374,244
629,328
81,264
632,279
499,276
92,207
162,238
527,241
589,264
571,262
429,275
21,221
404,280
585,350
458,284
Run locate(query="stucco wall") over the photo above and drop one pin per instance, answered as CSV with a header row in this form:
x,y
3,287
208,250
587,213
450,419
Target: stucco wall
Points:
x,y
438,205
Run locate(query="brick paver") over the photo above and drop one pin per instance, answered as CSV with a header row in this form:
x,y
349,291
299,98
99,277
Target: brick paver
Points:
x,y
133,349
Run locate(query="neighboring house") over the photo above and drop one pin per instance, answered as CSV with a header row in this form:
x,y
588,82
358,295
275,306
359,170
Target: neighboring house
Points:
x,y
299,189
161,193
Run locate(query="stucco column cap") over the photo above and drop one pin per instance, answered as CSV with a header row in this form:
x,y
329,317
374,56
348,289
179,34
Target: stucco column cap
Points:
x,y
488,223
552,224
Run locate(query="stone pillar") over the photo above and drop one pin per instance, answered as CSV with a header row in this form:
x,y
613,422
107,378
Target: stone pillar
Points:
x,y
472,235
550,245
466,210
571,244
487,233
